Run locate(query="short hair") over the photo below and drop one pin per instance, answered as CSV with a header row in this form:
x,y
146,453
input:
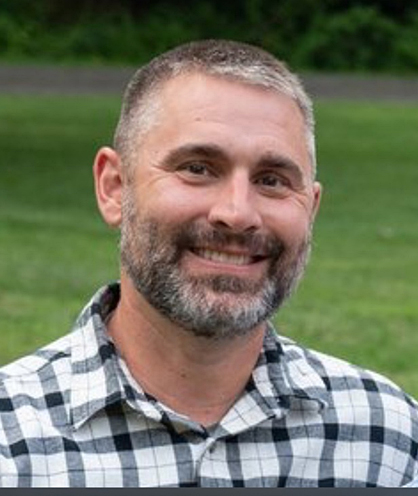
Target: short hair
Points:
x,y
230,60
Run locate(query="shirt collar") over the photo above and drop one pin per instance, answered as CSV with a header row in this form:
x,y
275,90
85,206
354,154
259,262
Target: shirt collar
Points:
x,y
99,377
282,379
95,380
286,373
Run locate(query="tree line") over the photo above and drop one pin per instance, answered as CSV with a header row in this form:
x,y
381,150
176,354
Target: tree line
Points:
x,y
328,35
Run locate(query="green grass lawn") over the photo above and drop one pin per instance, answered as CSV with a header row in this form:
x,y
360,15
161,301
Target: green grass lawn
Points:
x,y
359,297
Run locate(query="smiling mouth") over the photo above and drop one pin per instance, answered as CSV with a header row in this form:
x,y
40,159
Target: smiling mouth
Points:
x,y
226,257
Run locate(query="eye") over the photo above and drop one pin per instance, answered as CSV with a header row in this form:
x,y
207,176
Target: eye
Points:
x,y
196,172
196,168
272,181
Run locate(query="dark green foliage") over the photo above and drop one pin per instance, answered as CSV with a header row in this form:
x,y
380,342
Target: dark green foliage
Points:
x,y
359,38
363,35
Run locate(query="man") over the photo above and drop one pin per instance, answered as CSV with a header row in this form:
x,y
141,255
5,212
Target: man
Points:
x,y
175,377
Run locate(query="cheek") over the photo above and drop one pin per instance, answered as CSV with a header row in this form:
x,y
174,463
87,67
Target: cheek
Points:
x,y
289,224
172,203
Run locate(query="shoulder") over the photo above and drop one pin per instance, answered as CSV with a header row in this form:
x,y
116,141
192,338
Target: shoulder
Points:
x,y
336,372
34,399
340,375
55,359
30,366
355,389
31,380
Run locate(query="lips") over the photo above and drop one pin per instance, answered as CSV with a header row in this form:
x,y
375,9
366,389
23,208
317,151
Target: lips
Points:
x,y
225,257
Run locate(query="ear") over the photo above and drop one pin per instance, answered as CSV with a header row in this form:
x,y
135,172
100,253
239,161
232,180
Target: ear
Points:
x,y
108,185
317,193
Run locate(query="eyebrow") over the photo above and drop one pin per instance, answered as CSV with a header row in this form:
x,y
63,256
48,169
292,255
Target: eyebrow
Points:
x,y
208,151
281,162
214,152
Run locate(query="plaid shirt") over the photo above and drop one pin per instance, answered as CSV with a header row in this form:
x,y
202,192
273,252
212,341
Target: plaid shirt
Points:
x,y
72,415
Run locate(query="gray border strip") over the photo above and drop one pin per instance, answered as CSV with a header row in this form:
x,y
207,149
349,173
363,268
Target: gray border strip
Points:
x,y
46,80
247,491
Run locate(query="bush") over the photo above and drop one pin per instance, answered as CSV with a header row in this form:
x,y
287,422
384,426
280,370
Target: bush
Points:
x,y
16,38
328,35
406,47
359,39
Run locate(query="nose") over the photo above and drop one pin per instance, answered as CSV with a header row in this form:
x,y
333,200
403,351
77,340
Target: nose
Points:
x,y
234,207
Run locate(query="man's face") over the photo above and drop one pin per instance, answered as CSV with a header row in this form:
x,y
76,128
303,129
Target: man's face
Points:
x,y
216,221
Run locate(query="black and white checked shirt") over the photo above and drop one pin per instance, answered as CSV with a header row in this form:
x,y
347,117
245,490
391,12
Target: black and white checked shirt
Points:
x,y
72,415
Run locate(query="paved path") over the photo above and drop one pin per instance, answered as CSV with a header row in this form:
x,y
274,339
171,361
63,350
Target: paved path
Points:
x,y
87,80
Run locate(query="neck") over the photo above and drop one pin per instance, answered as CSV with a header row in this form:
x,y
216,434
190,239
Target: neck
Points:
x,y
194,376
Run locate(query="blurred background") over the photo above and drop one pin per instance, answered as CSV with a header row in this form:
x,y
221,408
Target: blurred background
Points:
x,y
332,35
62,69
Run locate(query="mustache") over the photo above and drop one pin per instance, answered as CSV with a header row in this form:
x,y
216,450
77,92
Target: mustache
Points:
x,y
193,235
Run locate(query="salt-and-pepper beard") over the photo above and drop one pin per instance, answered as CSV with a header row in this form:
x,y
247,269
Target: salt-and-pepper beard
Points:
x,y
211,306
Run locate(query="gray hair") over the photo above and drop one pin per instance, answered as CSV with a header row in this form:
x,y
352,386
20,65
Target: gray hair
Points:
x,y
227,59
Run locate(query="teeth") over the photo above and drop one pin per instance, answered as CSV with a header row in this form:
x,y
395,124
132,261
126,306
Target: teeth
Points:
x,y
221,256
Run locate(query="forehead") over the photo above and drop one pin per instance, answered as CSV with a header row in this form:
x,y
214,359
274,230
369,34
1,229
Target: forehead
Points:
x,y
239,116
192,89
